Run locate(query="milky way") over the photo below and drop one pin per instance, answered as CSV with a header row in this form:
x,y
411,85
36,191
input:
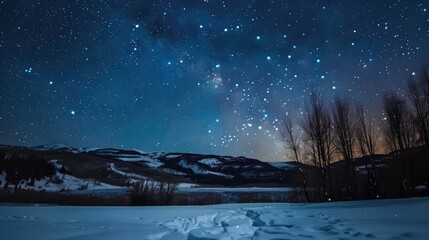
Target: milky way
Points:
x,y
195,76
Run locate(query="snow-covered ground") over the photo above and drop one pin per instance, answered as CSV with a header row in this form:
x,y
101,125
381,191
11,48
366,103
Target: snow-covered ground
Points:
x,y
379,219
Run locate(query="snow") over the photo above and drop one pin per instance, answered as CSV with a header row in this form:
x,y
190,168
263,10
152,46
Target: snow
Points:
x,y
53,147
140,151
210,161
182,186
171,171
156,154
107,151
132,176
89,149
148,158
198,170
376,219
73,183
61,182
224,225
148,161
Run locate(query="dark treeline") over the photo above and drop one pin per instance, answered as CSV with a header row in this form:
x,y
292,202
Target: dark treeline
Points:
x,y
337,142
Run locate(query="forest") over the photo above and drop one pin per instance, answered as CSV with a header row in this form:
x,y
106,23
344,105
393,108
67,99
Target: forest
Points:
x,y
343,144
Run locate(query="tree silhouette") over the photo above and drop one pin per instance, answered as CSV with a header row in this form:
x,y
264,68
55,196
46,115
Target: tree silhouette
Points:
x,y
344,141
292,141
317,128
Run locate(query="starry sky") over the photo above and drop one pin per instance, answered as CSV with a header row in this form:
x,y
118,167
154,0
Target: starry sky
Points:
x,y
199,76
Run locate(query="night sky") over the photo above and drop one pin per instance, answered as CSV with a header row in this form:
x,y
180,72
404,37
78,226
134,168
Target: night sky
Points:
x,y
195,76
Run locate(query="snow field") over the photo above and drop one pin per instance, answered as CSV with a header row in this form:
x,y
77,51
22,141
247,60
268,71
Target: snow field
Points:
x,y
377,219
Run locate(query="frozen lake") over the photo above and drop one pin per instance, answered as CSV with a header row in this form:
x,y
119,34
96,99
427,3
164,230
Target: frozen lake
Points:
x,y
378,219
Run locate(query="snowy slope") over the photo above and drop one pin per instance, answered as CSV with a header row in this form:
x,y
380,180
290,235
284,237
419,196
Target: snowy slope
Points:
x,y
60,182
198,170
131,176
378,219
210,161
148,159
55,147
183,167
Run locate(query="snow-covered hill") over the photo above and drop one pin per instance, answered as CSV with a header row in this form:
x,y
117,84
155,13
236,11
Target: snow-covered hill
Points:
x,y
59,180
58,147
207,169
107,168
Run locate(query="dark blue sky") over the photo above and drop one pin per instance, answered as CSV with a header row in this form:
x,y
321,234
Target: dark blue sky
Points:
x,y
195,76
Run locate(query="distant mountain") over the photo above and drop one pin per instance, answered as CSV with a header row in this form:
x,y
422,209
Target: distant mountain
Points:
x,y
285,165
119,168
55,147
200,168
61,168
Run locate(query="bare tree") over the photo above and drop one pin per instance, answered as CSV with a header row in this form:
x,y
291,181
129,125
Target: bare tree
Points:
x,y
318,135
170,191
417,93
344,141
398,122
150,192
399,131
424,81
292,140
367,140
365,133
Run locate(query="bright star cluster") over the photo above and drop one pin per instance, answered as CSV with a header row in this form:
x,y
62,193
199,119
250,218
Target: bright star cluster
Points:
x,y
195,75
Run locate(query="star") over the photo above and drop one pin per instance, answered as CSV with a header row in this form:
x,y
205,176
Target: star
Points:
x,y
231,68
